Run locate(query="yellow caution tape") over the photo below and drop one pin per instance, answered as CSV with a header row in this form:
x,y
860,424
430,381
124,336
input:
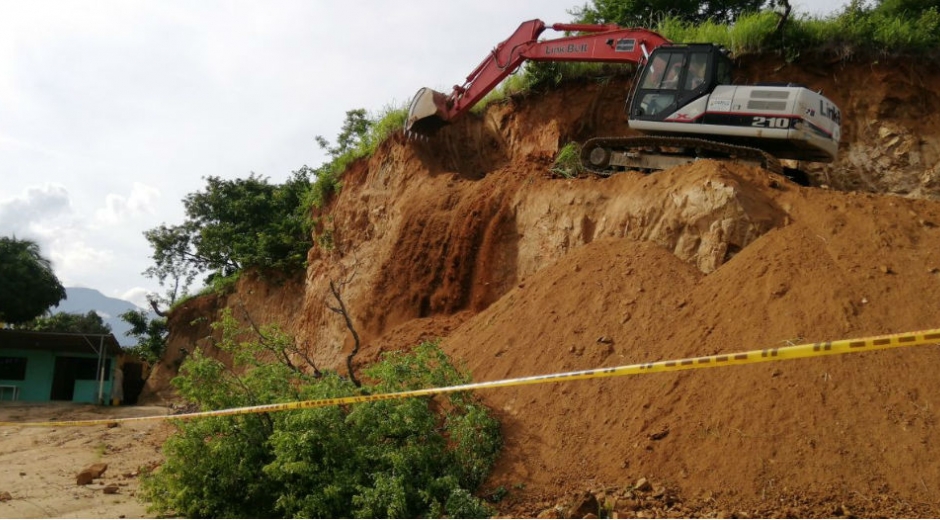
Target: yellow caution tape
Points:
x,y
807,350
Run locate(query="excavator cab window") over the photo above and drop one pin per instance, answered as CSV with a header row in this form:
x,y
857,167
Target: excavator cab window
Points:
x,y
695,76
675,76
663,72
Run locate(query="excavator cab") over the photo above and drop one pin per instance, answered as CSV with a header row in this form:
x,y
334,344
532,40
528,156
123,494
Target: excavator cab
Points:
x,y
674,76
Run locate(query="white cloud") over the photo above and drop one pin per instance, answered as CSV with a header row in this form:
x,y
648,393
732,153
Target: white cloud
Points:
x,y
120,208
137,296
23,214
76,261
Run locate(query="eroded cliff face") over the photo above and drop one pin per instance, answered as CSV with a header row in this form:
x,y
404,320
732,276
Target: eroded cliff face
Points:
x,y
433,228
471,238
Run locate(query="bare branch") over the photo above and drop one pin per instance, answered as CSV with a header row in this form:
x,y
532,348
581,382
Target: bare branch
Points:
x,y
336,290
153,304
342,311
264,340
783,5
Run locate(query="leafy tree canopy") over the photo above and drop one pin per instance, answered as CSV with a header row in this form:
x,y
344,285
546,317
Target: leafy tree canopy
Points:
x,y
234,224
354,133
150,334
28,286
646,13
69,322
906,8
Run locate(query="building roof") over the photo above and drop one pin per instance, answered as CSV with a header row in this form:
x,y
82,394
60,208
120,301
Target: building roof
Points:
x,y
59,342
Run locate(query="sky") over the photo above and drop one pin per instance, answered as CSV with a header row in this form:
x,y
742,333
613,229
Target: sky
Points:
x,y
112,111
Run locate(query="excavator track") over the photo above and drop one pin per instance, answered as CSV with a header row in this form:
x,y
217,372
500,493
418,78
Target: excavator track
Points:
x,y
606,156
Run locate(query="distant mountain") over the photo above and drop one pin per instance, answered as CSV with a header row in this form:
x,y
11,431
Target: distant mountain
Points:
x,y
80,300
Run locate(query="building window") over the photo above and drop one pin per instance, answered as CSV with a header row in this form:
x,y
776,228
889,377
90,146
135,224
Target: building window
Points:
x,y
13,368
87,368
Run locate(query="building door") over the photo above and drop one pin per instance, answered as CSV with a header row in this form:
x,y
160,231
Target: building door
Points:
x,y
69,369
133,382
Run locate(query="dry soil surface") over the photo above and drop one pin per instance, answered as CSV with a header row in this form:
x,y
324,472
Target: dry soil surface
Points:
x,y
40,464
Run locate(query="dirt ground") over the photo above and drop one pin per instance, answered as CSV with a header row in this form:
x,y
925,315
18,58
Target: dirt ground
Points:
x,y
40,465
471,238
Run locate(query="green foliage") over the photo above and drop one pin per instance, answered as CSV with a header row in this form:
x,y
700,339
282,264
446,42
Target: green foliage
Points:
x,y
360,135
28,286
907,9
327,184
551,74
234,224
325,240
69,322
355,129
418,457
646,13
568,161
150,334
175,262
892,28
221,285
751,33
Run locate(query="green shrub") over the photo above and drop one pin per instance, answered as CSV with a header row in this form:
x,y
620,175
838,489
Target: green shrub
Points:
x,y
568,161
327,184
418,457
361,134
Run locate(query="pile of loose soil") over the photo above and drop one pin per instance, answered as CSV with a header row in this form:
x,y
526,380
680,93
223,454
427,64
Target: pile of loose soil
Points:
x,y
821,431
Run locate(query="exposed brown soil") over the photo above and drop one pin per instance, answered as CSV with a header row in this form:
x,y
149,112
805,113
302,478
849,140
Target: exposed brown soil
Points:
x,y
470,238
829,431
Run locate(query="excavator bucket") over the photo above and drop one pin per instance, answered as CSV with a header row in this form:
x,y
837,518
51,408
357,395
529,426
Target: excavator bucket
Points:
x,y
428,113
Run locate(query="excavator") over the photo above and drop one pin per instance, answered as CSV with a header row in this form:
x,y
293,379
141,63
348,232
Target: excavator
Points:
x,y
682,101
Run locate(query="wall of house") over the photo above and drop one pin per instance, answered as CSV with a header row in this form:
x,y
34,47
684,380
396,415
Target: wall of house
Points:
x,y
38,381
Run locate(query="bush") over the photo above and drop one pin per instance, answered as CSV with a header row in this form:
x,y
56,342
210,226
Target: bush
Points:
x,y
418,457
568,161
361,134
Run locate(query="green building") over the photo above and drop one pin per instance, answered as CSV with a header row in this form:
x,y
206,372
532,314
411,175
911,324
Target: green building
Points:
x,y
48,366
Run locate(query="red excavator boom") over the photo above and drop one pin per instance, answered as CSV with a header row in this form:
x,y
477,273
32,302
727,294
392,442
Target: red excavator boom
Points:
x,y
431,110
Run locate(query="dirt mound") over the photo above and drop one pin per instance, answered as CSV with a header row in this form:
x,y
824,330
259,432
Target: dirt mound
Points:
x,y
748,436
469,237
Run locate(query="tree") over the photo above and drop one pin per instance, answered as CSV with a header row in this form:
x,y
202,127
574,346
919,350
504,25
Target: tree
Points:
x,y
910,9
645,13
150,334
355,131
28,286
175,265
69,322
234,224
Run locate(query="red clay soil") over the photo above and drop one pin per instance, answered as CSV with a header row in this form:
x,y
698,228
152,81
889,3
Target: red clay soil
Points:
x,y
809,435
470,238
